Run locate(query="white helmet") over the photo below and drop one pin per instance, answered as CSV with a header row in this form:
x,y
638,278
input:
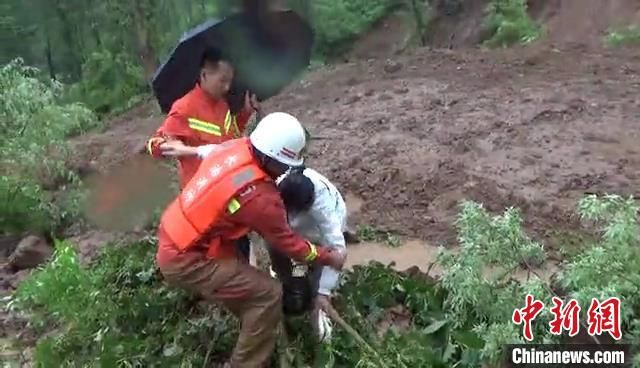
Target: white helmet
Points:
x,y
281,137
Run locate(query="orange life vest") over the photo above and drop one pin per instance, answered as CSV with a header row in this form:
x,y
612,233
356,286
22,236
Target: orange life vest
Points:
x,y
210,194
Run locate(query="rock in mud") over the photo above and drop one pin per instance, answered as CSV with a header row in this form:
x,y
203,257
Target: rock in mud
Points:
x,y
392,66
31,252
8,244
350,237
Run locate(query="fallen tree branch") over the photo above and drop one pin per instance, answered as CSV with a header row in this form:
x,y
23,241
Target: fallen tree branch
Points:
x,y
331,312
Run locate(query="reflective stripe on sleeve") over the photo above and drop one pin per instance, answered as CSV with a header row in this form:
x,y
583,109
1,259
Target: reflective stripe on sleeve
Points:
x,y
151,142
204,126
313,253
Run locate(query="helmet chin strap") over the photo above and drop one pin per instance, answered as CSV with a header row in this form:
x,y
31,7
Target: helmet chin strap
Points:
x,y
264,161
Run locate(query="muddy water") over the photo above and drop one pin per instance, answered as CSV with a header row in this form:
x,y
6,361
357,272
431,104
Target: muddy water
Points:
x,y
408,254
411,253
417,253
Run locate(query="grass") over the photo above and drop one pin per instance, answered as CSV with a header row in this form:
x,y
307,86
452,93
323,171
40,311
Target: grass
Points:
x,y
510,24
371,234
628,35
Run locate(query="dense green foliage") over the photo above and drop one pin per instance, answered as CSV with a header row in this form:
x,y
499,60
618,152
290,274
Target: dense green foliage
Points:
x,y
464,318
104,52
120,306
34,125
108,50
509,23
338,22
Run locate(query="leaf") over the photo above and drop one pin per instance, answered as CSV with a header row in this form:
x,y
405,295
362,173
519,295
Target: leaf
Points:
x,y
171,350
449,351
468,338
469,358
435,326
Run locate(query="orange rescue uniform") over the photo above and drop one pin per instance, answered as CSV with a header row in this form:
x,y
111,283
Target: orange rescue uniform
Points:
x,y
229,196
197,119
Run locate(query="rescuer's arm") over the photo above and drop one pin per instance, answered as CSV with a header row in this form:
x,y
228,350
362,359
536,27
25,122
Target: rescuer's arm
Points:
x,y
174,127
178,149
262,210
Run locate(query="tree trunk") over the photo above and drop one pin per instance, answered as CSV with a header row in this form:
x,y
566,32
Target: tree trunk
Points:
x,y
67,36
47,50
146,51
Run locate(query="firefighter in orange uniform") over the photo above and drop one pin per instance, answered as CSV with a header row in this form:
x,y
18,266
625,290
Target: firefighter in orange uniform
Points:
x,y
203,116
233,192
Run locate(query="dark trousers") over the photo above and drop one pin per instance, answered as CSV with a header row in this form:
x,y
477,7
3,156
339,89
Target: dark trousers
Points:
x,y
243,246
283,267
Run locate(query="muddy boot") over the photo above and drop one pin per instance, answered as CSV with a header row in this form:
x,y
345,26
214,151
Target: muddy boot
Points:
x,y
350,237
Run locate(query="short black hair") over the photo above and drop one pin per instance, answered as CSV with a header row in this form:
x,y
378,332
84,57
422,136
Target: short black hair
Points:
x,y
297,191
212,55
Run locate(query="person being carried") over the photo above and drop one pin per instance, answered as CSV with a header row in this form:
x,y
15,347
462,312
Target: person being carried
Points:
x,y
203,116
233,192
317,211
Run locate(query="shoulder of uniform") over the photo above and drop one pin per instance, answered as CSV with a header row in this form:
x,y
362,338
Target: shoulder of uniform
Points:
x,y
261,191
184,102
179,107
261,188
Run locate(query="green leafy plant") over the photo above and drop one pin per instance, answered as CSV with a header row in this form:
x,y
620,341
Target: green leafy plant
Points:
x,y
463,319
21,204
483,292
368,233
35,156
111,82
119,313
629,35
509,23
338,22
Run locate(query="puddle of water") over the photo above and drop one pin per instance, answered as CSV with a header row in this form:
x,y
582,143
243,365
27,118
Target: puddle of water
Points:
x,y
409,254
423,255
416,253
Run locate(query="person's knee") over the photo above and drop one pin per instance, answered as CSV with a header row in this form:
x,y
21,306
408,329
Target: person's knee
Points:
x,y
271,306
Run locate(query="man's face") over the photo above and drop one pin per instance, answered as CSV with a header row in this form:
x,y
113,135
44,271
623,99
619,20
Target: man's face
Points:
x,y
215,79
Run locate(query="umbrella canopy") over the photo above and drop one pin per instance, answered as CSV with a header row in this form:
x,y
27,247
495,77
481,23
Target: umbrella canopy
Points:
x,y
267,53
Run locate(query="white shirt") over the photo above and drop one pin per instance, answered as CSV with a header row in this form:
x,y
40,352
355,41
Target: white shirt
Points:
x,y
324,223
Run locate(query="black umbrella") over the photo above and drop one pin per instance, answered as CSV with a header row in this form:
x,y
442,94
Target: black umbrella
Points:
x,y
267,53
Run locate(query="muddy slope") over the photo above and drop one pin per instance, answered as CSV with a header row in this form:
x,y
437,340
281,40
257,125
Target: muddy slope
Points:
x,y
583,23
534,129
